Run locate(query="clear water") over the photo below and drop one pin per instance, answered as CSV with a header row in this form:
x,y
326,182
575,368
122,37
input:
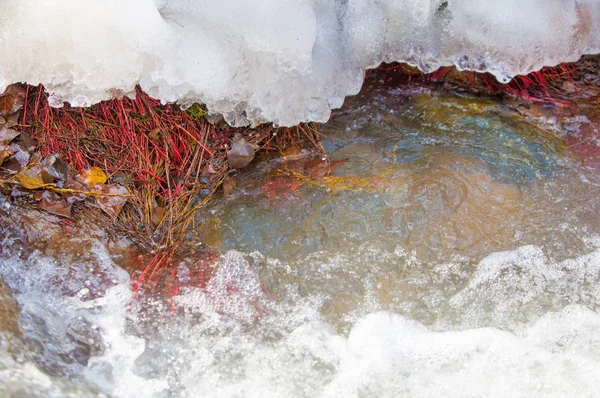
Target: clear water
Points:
x,y
454,252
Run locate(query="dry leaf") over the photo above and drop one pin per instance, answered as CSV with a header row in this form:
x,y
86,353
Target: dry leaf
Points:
x,y
53,203
92,176
5,153
112,205
26,143
154,134
76,196
7,135
18,161
38,195
53,168
12,100
157,214
12,120
319,168
18,191
31,178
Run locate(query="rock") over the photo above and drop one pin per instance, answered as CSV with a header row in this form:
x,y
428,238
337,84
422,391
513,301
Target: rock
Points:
x,y
240,155
4,204
9,315
229,185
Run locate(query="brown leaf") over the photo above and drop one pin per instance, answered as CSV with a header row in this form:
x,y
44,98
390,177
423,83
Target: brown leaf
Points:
x,y
26,142
319,168
7,135
53,168
53,203
12,120
92,176
31,178
18,161
38,195
154,134
112,205
5,153
12,100
76,196
240,154
157,214
295,152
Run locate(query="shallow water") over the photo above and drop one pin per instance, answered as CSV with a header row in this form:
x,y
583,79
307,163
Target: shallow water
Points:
x,y
452,250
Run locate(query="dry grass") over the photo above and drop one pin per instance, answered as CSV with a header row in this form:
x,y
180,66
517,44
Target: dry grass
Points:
x,y
172,161
552,85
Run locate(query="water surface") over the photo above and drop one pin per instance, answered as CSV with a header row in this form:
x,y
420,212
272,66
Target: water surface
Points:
x,y
443,246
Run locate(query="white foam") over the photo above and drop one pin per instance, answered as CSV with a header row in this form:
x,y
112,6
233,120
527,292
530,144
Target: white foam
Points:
x,y
389,356
293,352
58,311
231,339
284,61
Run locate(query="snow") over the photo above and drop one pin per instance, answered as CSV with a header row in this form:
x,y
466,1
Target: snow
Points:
x,y
283,61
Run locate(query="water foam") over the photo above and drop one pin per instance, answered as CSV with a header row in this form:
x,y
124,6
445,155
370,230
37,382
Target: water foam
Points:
x,y
222,345
284,61
293,351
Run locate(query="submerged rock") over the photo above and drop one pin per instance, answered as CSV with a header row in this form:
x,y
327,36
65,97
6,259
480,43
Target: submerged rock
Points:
x,y
9,316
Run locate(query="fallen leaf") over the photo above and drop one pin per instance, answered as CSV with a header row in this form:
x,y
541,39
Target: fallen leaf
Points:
x,y
18,161
75,196
12,100
38,195
92,176
31,178
5,153
26,143
53,168
154,134
157,214
19,191
319,168
12,120
241,154
294,153
53,203
7,135
111,204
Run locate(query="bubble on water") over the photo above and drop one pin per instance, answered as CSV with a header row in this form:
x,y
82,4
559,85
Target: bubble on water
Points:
x,y
233,291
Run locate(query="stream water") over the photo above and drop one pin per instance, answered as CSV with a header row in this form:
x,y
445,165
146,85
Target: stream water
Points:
x,y
453,250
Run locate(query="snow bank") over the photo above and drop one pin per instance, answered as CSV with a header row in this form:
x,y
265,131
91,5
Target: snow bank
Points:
x,y
284,61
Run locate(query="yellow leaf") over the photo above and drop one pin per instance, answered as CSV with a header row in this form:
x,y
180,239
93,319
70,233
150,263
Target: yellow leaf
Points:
x,y
31,178
93,176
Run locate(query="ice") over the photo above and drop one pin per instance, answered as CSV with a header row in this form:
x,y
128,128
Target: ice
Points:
x,y
283,61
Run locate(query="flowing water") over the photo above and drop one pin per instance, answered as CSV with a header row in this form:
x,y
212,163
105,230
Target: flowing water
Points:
x,y
452,250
